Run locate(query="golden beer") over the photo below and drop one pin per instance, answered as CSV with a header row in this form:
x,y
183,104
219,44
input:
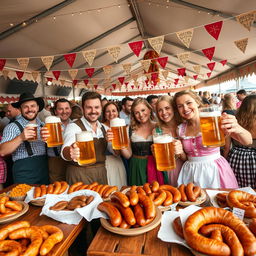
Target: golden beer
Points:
x,y
86,145
212,135
53,123
118,128
34,126
164,152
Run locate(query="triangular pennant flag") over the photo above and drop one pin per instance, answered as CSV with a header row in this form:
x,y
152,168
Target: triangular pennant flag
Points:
x,y
197,68
23,63
2,64
135,77
49,79
73,73
132,86
165,73
181,71
186,79
47,61
95,86
62,82
86,81
5,73
209,52
70,58
148,76
154,78
127,68
241,44
126,84
89,71
56,74
75,82
176,81
246,19
185,36
156,43
214,29
162,61
89,56
107,70
211,65
114,86
209,74
35,75
121,79
136,47
145,64
223,62
195,76
114,51
184,57
19,74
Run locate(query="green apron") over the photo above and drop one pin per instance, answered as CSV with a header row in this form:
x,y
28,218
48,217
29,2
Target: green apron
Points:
x,y
31,170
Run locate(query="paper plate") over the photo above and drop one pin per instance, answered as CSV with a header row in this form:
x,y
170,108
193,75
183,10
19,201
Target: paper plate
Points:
x,y
133,231
201,199
25,208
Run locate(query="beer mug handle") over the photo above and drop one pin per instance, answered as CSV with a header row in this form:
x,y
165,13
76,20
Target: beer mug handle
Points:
x,y
74,152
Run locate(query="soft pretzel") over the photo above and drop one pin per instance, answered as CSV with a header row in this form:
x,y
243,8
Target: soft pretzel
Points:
x,y
16,206
56,187
236,198
4,232
64,186
178,227
3,201
209,246
10,248
252,226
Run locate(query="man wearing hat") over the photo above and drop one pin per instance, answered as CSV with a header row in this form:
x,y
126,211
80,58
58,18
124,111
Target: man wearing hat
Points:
x,y
29,155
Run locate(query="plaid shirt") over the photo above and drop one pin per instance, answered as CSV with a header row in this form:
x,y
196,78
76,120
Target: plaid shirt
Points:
x,y
11,131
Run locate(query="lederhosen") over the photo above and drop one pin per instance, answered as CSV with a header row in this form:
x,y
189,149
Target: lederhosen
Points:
x,y
96,172
30,170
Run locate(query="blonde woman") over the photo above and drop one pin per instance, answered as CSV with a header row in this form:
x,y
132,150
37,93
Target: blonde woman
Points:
x,y
229,104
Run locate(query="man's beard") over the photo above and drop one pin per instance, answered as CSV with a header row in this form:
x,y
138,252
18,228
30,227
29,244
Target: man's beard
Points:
x,y
30,119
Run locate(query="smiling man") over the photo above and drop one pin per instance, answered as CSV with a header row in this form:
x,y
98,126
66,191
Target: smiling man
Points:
x,y
29,155
91,103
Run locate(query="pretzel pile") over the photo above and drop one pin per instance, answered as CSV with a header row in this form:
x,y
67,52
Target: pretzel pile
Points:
x,y
9,208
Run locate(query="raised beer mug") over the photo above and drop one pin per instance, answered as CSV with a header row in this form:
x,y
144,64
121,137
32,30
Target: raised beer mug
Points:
x,y
34,126
85,143
53,123
164,152
212,135
118,128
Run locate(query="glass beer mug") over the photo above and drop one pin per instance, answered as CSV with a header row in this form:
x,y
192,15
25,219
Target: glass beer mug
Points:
x,y
118,128
164,152
34,126
212,135
53,123
85,143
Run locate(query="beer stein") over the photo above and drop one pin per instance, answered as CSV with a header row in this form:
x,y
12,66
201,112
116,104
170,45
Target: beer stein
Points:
x,y
34,126
119,130
53,123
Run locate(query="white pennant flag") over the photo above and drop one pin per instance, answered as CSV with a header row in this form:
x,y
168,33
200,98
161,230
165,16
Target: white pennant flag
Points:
x,y
241,44
186,78
184,57
73,73
89,56
47,61
135,77
165,74
127,68
5,73
246,19
23,63
145,64
197,68
62,82
157,43
35,75
107,70
185,36
114,51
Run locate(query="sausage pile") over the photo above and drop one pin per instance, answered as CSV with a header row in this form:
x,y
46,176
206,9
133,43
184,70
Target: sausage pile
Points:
x,y
103,190
215,231
19,238
75,202
189,192
9,208
58,187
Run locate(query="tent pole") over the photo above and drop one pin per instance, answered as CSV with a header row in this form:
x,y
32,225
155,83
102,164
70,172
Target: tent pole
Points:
x,y
43,83
73,90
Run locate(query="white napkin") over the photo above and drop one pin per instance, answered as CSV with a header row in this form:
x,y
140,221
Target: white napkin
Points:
x,y
30,195
89,212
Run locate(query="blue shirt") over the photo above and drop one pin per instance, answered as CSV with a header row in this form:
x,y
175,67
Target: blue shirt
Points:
x,y
11,131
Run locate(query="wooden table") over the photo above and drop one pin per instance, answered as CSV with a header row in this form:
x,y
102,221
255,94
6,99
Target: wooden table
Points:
x,y
70,231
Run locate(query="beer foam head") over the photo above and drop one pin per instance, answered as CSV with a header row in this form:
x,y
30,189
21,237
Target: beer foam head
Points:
x,y
52,119
210,114
31,125
162,139
116,122
84,136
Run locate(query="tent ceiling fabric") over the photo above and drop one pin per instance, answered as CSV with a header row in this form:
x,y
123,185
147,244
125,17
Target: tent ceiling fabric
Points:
x,y
85,25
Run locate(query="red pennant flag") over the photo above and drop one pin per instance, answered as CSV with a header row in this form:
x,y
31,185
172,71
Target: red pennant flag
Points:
x,y
214,29
70,58
114,86
86,81
162,61
195,76
154,78
209,52
209,74
136,47
181,71
95,86
49,79
146,81
89,71
19,74
2,64
132,86
224,62
176,81
211,65
126,84
56,74
75,82
121,79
